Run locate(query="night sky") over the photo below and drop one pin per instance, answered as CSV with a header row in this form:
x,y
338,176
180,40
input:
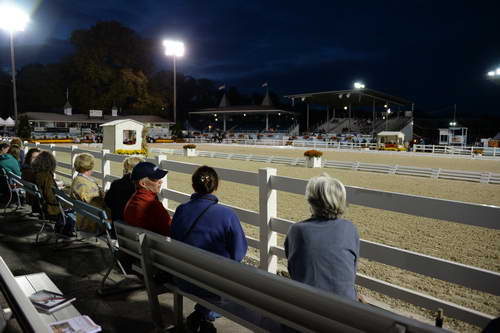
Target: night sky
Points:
x,y
435,53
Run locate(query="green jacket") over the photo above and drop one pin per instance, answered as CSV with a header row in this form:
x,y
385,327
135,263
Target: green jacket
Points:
x,y
9,163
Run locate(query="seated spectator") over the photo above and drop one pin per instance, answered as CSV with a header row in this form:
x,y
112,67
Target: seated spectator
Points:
x,y
202,223
44,167
8,161
19,143
85,188
27,172
323,250
143,209
122,189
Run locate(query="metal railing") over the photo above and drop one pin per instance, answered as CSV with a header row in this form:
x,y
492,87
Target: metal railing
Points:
x,y
270,225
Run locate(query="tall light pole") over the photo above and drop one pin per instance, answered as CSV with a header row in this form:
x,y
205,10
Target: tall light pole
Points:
x,y
388,112
174,49
13,19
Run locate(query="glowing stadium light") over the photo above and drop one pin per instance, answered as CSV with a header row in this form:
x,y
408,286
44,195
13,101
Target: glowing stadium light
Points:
x,y
345,107
174,49
279,113
498,71
215,114
359,85
13,19
244,114
453,123
492,73
385,106
388,111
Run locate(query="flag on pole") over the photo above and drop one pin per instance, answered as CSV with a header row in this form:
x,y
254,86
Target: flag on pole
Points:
x,y
264,84
222,87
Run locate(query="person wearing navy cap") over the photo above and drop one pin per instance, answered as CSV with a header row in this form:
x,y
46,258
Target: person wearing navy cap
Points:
x,y
143,209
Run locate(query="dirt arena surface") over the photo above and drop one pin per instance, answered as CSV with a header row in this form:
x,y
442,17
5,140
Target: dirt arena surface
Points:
x,y
469,245
399,158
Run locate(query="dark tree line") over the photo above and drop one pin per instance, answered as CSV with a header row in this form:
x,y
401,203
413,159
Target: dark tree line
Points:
x,y
111,65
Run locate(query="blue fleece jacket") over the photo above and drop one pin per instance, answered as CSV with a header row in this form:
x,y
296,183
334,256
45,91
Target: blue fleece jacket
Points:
x,y
218,230
9,163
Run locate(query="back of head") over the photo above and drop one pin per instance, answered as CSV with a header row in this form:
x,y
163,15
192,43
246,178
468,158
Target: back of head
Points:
x,y
130,163
15,151
84,162
3,146
16,141
326,196
205,180
44,162
29,155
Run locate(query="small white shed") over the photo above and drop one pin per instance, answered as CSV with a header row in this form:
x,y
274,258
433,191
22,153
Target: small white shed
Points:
x,y
122,134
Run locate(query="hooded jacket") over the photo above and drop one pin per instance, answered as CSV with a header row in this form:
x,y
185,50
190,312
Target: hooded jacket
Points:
x,y
9,163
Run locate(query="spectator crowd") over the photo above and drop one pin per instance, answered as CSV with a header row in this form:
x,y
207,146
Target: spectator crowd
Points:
x,y
322,251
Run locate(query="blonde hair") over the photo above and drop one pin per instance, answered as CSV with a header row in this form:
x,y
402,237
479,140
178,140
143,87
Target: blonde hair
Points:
x,y
17,142
326,196
130,163
84,162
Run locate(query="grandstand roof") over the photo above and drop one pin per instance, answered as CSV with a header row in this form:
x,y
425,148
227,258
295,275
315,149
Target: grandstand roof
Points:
x,y
243,109
361,97
77,118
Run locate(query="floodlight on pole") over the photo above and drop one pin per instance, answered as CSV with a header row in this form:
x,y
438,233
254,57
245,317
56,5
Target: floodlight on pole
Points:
x,y
359,85
13,19
453,123
174,49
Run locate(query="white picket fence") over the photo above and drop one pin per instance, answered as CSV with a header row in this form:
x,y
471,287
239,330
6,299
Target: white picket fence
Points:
x,y
270,225
436,173
417,150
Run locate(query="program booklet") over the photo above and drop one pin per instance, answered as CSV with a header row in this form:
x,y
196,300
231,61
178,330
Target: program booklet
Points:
x,y
80,324
49,301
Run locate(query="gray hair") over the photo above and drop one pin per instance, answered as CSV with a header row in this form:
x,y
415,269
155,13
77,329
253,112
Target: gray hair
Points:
x,y
326,196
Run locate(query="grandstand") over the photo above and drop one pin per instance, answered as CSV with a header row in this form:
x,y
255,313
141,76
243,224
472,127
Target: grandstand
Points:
x,y
254,119
359,111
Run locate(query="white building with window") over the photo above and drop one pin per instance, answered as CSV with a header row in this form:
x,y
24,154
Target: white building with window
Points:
x,y
122,134
453,136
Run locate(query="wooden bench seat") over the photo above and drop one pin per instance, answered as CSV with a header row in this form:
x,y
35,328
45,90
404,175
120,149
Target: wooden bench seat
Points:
x,y
16,291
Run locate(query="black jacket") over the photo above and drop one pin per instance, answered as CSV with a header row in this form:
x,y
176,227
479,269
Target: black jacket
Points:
x,y
116,198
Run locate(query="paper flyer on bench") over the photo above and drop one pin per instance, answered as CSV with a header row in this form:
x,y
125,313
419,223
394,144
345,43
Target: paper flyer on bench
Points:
x,y
80,324
49,301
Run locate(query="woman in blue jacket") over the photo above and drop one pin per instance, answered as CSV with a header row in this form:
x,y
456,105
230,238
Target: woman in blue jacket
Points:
x,y
203,223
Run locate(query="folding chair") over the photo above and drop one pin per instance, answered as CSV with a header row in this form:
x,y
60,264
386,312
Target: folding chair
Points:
x,y
13,186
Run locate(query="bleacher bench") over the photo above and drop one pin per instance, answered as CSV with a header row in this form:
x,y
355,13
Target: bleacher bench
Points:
x,y
16,291
253,298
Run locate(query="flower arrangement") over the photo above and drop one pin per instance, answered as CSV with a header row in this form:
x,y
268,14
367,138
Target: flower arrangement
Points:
x,y
313,153
306,137
130,152
319,137
478,151
241,136
189,146
259,136
293,138
289,143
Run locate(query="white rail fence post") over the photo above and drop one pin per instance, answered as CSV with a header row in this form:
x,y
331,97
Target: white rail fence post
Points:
x,y
53,151
164,185
268,206
105,169
73,158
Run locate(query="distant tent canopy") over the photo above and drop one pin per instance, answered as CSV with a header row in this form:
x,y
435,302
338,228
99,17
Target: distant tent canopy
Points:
x,y
9,122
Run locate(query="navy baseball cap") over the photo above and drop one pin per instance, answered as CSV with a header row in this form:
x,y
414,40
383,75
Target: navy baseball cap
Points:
x,y
147,169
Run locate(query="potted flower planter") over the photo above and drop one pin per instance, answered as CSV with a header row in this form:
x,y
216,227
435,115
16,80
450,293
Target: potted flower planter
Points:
x,y
190,150
313,158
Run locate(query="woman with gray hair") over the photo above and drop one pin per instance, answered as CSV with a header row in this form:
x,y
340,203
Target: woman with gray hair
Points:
x,y
323,250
